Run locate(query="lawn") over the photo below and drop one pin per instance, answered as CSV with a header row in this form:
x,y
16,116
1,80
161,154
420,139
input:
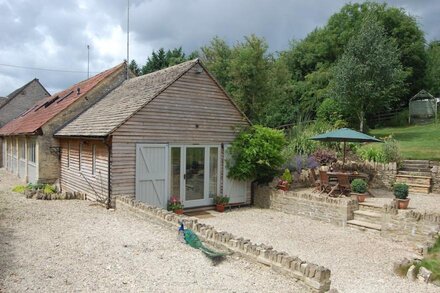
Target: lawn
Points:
x,y
420,142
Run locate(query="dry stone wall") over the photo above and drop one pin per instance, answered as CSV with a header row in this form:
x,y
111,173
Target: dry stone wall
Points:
x,y
313,277
312,205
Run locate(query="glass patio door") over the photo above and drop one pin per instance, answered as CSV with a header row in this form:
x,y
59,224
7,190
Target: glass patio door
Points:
x,y
194,174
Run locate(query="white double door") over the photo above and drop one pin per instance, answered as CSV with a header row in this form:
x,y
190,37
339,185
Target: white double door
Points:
x,y
195,173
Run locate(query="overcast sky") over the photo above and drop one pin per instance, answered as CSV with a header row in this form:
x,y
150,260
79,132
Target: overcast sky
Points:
x,y
54,34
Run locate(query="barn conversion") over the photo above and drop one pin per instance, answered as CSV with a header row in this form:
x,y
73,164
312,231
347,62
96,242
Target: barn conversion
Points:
x,y
30,150
157,135
17,102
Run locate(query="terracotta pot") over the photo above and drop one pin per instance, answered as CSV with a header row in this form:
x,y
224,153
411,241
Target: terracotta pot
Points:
x,y
179,212
220,208
359,196
402,204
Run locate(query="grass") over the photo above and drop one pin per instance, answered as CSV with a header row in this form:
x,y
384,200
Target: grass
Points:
x,y
419,142
432,261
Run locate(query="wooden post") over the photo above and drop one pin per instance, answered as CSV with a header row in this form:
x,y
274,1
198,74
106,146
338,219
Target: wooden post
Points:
x,y
343,160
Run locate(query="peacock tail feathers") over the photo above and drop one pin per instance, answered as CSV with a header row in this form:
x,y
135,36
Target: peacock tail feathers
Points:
x,y
193,240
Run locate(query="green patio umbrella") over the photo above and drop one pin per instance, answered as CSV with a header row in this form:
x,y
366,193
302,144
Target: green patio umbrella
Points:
x,y
345,135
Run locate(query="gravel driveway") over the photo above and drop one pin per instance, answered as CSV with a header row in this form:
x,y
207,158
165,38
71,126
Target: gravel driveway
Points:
x,y
75,246
359,261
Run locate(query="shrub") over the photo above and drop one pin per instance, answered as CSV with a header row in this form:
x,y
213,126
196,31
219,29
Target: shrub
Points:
x,y
359,186
220,199
287,176
49,189
19,188
371,153
35,186
331,111
391,152
325,156
256,154
401,190
174,204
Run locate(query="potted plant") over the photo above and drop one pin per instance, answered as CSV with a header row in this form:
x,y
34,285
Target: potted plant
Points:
x,y
285,181
401,194
220,202
175,205
359,189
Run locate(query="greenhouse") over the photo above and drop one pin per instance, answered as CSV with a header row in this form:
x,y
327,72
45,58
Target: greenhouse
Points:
x,y
422,108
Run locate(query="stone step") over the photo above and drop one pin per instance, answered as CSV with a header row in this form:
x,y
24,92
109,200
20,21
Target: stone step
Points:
x,y
364,225
415,173
369,206
367,216
415,161
419,189
415,169
414,180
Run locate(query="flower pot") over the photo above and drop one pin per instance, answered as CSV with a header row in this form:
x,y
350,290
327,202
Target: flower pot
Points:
x,y
220,208
359,196
402,204
179,212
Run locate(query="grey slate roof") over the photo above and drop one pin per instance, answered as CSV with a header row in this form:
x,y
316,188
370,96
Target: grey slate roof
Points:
x,y
119,105
2,100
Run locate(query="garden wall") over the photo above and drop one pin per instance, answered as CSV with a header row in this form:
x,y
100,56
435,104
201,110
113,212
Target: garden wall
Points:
x,y
312,205
409,225
435,171
314,278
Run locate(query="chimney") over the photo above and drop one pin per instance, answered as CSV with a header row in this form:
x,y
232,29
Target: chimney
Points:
x,y
78,91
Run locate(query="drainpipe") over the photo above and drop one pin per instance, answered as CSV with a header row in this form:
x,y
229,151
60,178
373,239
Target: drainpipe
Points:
x,y
109,151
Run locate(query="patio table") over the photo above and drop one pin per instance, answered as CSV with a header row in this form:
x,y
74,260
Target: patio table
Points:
x,y
351,175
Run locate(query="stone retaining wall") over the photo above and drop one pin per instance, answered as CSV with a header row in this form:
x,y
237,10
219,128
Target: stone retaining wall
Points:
x,y
435,172
409,225
314,278
312,205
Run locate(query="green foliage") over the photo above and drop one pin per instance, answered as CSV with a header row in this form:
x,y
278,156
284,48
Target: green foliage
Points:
x,y
400,190
35,186
371,152
19,188
299,142
287,176
331,111
256,154
433,68
359,186
162,59
134,68
220,199
369,73
432,261
391,151
49,189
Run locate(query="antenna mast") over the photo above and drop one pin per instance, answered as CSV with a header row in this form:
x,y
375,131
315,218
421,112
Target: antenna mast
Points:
x,y
128,36
88,61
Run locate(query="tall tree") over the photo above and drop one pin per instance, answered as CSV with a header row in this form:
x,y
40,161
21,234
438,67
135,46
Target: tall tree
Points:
x,y
134,68
217,57
162,59
369,72
433,68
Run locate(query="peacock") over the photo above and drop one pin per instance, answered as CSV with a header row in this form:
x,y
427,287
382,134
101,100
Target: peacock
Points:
x,y
189,237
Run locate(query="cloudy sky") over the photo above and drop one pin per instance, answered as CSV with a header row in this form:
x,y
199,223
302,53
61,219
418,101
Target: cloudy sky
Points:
x,y
52,34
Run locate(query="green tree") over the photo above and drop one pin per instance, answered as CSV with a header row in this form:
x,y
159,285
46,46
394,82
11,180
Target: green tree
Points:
x,y
433,68
256,154
217,57
163,59
134,68
369,72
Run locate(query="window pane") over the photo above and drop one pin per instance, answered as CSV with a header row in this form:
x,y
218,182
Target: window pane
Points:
x,y
213,171
175,171
195,173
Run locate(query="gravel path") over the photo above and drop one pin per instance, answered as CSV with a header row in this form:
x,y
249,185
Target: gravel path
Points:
x,y
75,246
359,261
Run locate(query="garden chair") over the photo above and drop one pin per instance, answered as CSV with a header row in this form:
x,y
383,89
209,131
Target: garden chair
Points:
x,y
314,180
344,183
325,183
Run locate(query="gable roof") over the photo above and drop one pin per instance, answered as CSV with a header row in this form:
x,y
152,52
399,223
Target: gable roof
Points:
x,y
16,92
118,106
44,110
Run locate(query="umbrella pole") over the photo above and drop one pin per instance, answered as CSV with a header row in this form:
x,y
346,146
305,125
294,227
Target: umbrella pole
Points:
x,y
343,159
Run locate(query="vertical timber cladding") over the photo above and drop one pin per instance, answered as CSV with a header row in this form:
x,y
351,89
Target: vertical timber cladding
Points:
x,y
151,174
193,110
93,184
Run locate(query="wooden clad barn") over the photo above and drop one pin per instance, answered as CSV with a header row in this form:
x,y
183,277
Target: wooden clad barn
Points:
x,y
31,151
155,136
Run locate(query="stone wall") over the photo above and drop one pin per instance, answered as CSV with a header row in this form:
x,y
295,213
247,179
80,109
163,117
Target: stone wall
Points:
x,y
314,278
409,225
435,171
312,205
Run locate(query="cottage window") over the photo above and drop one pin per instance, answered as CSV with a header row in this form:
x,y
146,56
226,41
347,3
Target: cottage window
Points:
x,y
32,151
93,159
213,171
80,155
22,149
